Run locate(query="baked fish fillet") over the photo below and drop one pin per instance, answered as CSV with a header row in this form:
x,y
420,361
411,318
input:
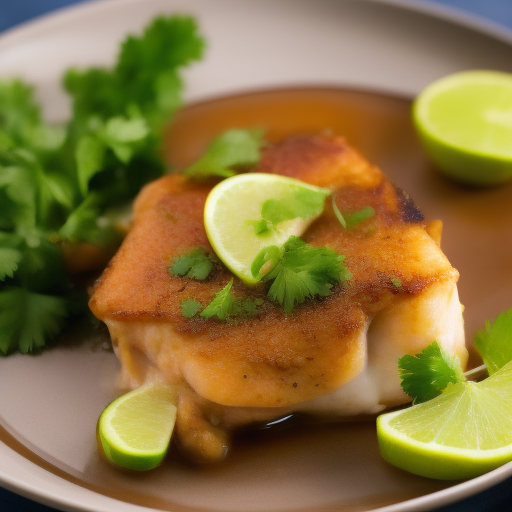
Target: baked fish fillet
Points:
x,y
335,356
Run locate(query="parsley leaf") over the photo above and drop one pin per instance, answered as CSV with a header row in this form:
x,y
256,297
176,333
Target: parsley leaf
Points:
x,y
28,319
427,374
303,203
190,307
195,265
223,305
494,342
301,272
232,149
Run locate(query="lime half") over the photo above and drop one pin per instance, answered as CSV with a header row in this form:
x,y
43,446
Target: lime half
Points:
x,y
460,434
249,212
135,429
465,124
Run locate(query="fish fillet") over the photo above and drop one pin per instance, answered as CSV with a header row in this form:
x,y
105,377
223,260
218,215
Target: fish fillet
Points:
x,y
335,356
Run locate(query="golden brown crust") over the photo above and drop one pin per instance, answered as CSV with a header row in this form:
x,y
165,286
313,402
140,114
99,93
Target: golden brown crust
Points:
x,y
272,360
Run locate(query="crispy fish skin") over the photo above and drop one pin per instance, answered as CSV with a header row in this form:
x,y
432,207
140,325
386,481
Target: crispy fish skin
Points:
x,y
261,366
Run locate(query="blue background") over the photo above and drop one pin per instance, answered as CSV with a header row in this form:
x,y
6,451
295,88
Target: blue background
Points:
x,y
13,12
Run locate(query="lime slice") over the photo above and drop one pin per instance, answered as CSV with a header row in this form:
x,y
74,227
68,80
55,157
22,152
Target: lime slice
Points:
x,y
237,210
135,429
463,433
465,123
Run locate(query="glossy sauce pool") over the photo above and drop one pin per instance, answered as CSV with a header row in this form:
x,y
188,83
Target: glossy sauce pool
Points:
x,y
329,467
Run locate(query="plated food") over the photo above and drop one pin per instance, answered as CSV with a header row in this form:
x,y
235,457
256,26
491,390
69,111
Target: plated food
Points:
x,y
334,356
429,207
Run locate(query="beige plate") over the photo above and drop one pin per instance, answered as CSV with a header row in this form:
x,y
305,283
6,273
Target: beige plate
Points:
x,y
49,404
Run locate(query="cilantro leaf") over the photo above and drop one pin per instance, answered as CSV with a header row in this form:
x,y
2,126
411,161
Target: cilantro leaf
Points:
x,y
302,272
301,203
494,342
352,219
27,319
427,374
190,307
232,149
195,265
223,305
89,155
9,259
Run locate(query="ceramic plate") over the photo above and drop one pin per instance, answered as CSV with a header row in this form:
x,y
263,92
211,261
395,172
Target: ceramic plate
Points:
x,y
355,63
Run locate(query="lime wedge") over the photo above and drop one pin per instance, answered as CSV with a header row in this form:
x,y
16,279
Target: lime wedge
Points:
x,y
465,124
249,212
135,429
460,434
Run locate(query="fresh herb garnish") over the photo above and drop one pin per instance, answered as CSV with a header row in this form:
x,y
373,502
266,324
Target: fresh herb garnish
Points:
x,y
57,183
232,150
494,342
301,272
195,265
427,374
303,203
352,219
396,282
190,307
223,305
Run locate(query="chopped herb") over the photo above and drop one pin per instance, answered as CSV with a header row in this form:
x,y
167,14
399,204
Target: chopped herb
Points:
x,y
190,307
396,282
352,219
223,305
338,214
427,374
226,305
494,342
195,265
303,203
228,152
301,272
355,218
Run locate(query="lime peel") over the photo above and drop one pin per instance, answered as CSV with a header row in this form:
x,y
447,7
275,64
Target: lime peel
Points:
x,y
135,429
460,434
464,121
234,207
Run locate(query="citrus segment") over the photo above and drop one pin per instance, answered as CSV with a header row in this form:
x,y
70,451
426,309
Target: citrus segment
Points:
x,y
246,213
135,429
463,433
465,124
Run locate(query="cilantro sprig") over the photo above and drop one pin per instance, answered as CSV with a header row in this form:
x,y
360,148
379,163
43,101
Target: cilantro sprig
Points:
x,y
57,183
230,151
299,271
425,375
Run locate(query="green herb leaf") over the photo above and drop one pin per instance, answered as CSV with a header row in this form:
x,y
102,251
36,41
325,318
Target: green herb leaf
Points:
x,y
90,154
232,149
303,272
28,319
195,265
223,305
494,342
190,307
301,203
9,259
352,219
427,374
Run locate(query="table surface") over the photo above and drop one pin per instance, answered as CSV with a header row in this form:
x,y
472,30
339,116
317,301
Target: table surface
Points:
x,y
14,12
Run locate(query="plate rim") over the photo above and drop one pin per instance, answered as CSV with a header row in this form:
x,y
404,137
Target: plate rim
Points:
x,y
56,18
